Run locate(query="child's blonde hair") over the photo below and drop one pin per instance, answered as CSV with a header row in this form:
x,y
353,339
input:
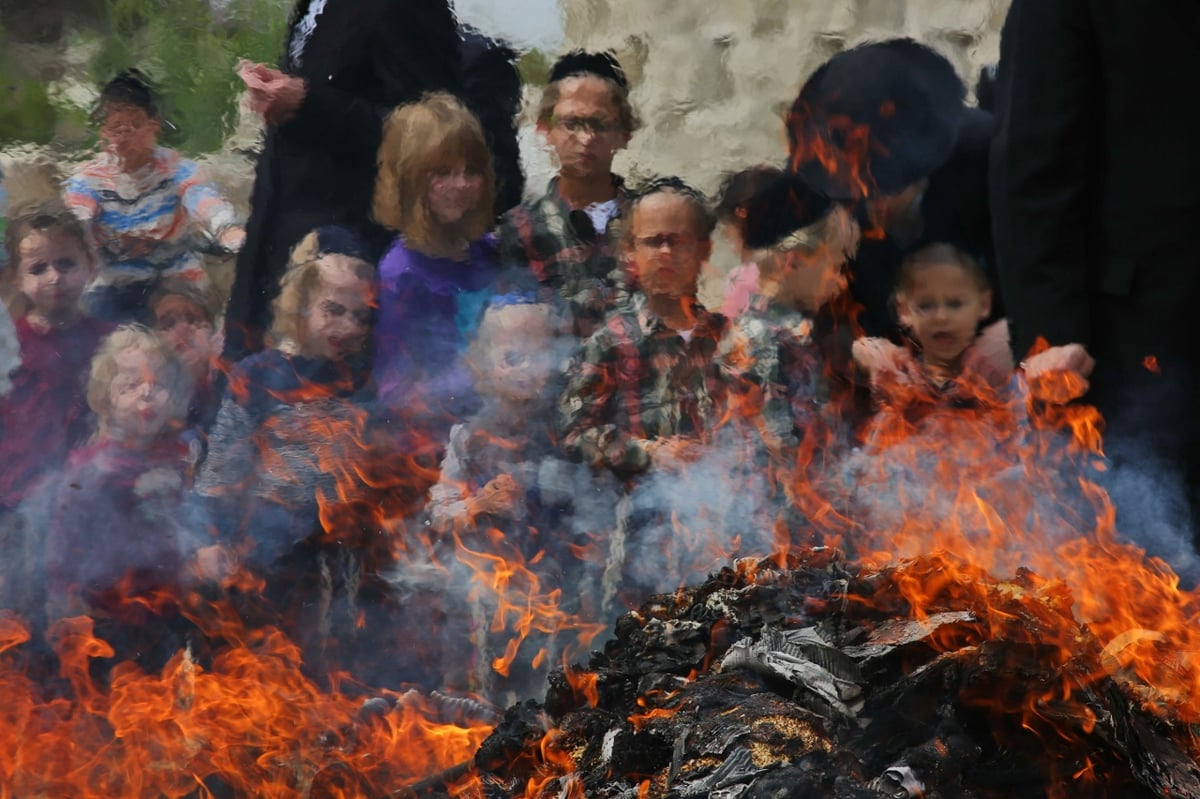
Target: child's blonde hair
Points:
x,y
172,372
302,278
418,140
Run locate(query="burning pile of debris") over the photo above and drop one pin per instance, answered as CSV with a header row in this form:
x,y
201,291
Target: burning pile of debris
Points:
x,y
808,676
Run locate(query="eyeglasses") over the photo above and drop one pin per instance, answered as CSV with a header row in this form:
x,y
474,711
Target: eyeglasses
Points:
x,y
673,241
577,126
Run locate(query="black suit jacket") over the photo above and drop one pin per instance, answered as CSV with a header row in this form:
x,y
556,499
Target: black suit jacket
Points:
x,y
1095,176
363,58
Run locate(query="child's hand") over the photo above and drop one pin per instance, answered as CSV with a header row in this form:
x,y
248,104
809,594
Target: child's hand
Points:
x,y
213,563
497,497
232,238
1059,374
878,357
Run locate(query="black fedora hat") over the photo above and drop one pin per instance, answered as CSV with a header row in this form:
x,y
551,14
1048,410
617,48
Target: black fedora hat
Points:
x,y
874,119
779,208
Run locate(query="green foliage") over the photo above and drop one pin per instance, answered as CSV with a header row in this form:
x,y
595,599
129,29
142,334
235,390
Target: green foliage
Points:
x,y
534,66
190,48
28,113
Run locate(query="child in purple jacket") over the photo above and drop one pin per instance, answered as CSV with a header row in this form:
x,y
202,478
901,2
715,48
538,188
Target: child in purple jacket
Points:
x,y
435,188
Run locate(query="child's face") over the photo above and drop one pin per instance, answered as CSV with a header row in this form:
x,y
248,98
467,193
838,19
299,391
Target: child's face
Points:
x,y
184,325
454,192
140,406
337,320
130,130
520,359
585,128
52,271
810,279
667,251
943,307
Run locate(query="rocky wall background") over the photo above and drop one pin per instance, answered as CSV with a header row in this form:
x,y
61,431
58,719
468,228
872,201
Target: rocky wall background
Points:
x,y
714,78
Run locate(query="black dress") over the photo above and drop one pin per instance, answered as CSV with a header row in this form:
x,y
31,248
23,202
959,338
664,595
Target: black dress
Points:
x,y
361,60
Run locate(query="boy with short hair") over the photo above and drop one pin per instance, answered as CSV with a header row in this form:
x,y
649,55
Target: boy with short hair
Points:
x,y
645,387
565,241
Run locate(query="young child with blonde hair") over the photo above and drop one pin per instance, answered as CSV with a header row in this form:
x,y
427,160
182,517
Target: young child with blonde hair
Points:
x,y
104,536
288,433
507,491
112,532
265,453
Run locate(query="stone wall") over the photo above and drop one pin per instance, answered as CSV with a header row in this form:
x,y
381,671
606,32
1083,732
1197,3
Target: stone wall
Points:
x,y
714,78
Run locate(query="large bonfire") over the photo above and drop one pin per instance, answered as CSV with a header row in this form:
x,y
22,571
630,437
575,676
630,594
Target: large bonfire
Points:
x,y
955,634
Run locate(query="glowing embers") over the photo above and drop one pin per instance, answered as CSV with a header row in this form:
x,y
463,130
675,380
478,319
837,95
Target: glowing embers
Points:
x,y
834,683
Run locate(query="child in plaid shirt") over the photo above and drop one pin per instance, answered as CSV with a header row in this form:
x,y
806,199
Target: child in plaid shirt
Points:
x,y
565,241
646,387
646,396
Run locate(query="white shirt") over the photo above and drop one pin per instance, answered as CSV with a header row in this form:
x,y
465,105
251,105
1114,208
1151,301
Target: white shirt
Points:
x,y
303,30
601,214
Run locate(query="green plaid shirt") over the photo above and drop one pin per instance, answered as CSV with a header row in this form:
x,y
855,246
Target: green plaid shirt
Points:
x,y
562,251
636,380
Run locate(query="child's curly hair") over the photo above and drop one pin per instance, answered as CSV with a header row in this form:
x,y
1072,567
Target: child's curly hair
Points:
x,y
169,370
302,278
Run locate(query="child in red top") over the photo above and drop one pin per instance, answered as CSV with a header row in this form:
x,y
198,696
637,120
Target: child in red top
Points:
x,y
46,414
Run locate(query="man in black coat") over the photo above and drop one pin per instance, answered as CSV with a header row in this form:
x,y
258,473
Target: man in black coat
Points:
x,y
1095,181
883,128
952,208
347,64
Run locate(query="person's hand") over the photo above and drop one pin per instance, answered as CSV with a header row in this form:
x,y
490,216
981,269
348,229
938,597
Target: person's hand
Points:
x,y
274,95
990,356
1059,374
213,563
232,238
878,357
497,497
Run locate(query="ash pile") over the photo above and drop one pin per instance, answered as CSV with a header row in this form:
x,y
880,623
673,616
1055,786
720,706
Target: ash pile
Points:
x,y
806,676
